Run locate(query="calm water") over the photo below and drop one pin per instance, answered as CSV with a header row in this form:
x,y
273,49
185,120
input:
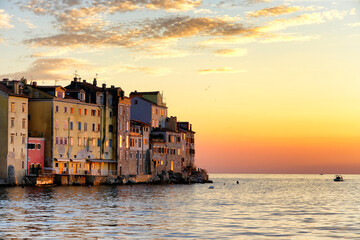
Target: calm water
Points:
x,y
260,207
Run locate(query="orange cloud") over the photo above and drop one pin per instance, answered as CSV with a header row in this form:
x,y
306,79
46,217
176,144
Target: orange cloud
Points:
x,y
274,11
236,52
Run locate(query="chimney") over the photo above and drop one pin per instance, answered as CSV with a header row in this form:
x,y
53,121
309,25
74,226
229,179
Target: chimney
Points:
x,y
16,87
75,79
104,86
84,81
112,86
5,79
34,84
94,82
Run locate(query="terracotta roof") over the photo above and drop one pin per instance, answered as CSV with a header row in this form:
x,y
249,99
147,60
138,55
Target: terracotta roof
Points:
x,y
140,122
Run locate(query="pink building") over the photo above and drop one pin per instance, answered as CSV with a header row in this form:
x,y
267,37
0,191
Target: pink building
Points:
x,y
36,147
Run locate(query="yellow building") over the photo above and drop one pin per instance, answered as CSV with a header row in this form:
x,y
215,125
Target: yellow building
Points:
x,y
72,130
13,132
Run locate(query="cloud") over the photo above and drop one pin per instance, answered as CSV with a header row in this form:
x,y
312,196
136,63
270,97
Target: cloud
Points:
x,y
50,69
42,7
219,70
236,52
5,20
149,31
274,11
305,19
27,23
289,38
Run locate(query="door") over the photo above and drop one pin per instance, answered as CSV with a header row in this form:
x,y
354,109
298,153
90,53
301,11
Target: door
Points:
x,y
60,168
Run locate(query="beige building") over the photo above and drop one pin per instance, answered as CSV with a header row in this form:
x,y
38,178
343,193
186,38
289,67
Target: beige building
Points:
x,y
14,130
72,132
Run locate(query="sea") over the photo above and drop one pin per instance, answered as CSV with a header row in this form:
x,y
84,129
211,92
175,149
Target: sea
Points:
x,y
257,207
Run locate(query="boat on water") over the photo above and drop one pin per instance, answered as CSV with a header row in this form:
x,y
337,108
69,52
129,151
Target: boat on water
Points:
x,y
338,178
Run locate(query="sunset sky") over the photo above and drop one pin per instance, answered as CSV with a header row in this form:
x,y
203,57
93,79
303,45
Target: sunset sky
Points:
x,y
269,86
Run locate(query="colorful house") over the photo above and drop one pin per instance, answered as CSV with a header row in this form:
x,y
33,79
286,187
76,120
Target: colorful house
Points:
x,y
13,131
35,155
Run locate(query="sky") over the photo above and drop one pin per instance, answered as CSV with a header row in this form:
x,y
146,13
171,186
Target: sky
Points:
x,y
269,86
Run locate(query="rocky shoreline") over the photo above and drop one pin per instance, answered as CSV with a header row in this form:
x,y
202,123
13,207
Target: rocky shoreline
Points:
x,y
190,176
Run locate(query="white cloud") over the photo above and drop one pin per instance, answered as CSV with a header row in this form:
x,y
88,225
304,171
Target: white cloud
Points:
x,y
5,19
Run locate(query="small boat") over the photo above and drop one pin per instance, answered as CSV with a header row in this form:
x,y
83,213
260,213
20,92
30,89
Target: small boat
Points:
x,y
338,178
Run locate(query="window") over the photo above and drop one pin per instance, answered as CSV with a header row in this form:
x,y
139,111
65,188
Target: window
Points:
x,y
93,112
153,123
56,140
31,146
135,102
85,111
110,101
12,138
71,110
65,124
98,127
120,142
79,141
71,141
179,151
153,111
85,141
23,123
110,143
65,109
110,114
57,124
12,107
93,127
71,125
23,107
79,126
23,164
94,142
61,141
106,143
12,122
56,108
85,127
99,142
99,113
23,140
139,143
79,111
65,140
127,141
127,126
130,156
111,128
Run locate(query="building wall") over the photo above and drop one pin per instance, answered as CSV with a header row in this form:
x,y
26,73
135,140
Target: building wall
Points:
x,y
40,125
17,135
158,116
82,141
123,141
3,134
159,158
36,154
141,110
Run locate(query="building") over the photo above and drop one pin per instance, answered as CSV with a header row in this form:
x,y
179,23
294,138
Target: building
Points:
x,y
123,137
71,129
148,107
14,131
188,144
139,148
35,155
111,102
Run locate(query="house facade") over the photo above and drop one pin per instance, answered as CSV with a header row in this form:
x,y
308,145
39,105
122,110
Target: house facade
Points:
x,y
14,132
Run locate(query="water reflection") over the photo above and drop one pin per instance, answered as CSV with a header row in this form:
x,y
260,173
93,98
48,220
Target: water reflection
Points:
x,y
260,207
